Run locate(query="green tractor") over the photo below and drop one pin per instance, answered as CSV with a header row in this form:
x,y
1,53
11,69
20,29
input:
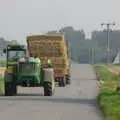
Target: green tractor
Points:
x,y
26,72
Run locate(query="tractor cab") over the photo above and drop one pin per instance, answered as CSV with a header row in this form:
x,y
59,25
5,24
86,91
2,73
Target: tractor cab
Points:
x,y
14,53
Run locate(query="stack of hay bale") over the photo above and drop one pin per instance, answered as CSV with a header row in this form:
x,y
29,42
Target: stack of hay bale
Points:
x,y
49,47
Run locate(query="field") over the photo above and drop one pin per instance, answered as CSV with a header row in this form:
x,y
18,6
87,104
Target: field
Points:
x,y
2,70
2,64
114,69
109,98
1,85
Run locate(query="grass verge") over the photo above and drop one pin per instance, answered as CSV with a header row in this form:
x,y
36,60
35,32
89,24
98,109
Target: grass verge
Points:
x,y
109,98
1,85
2,64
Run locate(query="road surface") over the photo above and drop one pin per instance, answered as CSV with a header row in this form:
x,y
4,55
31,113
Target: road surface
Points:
x,y
75,102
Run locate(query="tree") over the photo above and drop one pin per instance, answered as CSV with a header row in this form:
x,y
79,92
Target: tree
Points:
x,y
75,38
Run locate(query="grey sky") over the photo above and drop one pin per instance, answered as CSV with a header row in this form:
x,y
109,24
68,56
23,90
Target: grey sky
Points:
x,y
20,17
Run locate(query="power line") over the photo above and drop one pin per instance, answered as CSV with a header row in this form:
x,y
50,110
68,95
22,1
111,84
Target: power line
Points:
x,y
108,28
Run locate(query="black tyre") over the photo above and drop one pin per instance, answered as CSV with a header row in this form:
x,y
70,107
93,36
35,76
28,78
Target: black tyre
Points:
x,y
62,82
14,88
10,87
68,80
48,89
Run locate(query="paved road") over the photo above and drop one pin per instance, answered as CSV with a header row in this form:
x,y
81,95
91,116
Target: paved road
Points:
x,y
75,102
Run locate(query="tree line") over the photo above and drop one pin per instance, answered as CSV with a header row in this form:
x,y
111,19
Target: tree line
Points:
x,y
93,50
84,50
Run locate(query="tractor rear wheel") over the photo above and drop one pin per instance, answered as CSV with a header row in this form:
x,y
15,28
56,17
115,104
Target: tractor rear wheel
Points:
x,y
10,87
48,89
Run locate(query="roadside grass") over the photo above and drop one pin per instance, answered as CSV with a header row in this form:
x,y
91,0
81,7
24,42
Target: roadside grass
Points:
x,y
2,64
109,98
1,85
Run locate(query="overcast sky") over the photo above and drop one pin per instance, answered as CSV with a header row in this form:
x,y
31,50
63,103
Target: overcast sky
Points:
x,y
18,18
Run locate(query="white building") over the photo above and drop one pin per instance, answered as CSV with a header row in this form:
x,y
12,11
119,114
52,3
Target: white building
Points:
x,y
117,59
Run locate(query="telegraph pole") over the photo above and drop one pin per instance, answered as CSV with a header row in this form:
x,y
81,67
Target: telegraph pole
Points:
x,y
108,27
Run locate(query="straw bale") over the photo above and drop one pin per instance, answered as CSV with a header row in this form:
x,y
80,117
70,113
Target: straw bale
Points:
x,y
49,47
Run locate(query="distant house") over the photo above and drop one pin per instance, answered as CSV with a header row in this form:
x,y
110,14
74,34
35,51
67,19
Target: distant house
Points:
x,y
3,44
2,58
117,59
13,42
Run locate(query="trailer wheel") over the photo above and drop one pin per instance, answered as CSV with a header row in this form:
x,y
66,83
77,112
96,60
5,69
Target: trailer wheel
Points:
x,y
62,82
68,80
48,89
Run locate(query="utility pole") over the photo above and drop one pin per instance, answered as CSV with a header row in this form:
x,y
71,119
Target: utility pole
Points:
x,y
93,55
108,27
89,51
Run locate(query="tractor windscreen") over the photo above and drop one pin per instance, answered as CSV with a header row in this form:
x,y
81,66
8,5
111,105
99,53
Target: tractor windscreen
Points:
x,y
15,55
26,67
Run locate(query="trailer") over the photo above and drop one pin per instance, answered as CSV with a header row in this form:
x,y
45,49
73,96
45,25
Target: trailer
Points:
x,y
54,48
